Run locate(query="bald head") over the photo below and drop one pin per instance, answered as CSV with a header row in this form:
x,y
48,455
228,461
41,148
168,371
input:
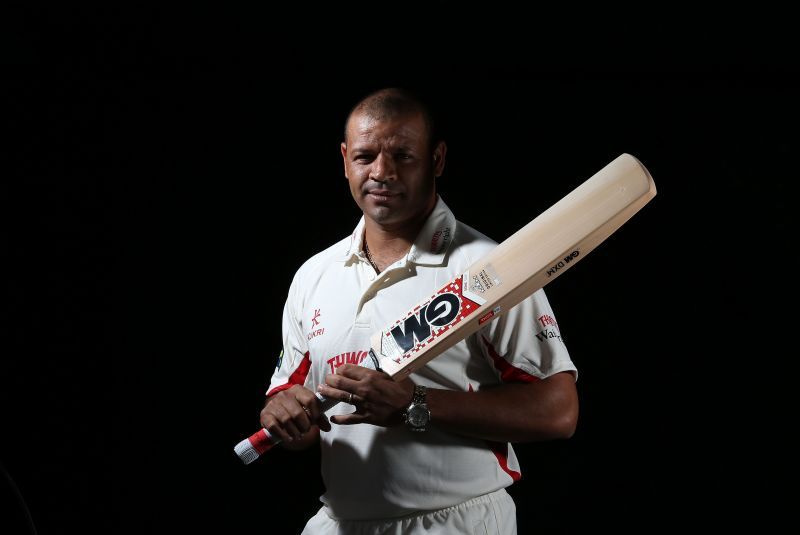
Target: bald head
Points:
x,y
392,103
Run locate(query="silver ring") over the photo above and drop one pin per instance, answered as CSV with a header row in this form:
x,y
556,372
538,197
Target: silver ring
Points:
x,y
350,398
308,411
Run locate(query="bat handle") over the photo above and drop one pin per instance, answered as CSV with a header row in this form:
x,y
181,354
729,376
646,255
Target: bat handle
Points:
x,y
260,442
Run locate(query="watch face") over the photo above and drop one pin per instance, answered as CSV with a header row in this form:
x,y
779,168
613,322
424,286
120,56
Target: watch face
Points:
x,y
417,415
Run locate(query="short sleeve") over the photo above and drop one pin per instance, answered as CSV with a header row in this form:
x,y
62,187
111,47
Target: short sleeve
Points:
x,y
294,363
525,344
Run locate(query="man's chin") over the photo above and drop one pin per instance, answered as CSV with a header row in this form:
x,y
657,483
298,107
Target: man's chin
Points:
x,y
382,214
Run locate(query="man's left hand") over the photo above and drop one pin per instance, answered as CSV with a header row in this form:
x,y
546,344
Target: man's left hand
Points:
x,y
378,399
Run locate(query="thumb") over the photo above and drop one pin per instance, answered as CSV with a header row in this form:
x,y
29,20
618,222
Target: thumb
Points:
x,y
323,423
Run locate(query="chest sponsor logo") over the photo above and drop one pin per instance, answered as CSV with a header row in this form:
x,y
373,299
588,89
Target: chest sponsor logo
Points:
x,y
348,357
315,323
428,321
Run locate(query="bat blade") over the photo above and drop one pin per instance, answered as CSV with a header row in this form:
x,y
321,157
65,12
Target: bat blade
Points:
x,y
525,262
522,264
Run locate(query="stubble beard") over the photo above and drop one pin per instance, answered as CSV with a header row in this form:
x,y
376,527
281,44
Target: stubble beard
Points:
x,y
383,215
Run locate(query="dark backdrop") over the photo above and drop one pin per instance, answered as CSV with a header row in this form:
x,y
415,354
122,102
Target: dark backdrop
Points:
x,y
165,179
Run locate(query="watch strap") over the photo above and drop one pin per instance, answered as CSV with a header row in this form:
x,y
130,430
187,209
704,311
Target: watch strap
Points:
x,y
420,396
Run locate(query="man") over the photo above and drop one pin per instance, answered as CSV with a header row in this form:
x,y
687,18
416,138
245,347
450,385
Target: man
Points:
x,y
445,468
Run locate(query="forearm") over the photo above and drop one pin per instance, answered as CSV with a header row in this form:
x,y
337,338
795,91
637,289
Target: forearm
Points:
x,y
526,412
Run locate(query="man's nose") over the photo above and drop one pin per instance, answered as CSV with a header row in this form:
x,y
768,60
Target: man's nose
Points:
x,y
383,168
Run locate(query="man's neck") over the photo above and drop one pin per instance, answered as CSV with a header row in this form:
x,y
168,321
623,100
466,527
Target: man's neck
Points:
x,y
384,248
387,245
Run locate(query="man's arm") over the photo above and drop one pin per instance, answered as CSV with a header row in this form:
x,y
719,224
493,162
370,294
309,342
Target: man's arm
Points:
x,y
514,412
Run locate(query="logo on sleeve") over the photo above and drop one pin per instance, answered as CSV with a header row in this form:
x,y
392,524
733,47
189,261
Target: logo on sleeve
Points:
x,y
280,361
315,323
550,329
547,319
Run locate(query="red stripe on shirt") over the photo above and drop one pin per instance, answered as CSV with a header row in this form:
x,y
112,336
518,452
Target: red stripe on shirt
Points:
x,y
508,372
298,377
500,451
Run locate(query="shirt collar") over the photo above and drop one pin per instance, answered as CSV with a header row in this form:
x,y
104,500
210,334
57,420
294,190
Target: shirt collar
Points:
x,y
432,242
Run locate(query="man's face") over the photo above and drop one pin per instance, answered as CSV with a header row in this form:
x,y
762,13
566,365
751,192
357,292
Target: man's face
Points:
x,y
390,168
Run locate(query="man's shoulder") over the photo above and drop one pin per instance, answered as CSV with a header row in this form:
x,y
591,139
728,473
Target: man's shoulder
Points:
x,y
471,243
334,254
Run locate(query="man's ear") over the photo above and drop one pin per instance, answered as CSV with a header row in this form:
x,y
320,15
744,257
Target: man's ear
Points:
x,y
439,156
344,158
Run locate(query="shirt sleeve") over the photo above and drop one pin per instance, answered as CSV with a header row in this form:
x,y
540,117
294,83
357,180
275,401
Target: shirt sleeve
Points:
x,y
525,344
295,362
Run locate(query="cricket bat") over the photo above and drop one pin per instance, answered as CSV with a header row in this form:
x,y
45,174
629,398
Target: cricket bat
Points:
x,y
515,269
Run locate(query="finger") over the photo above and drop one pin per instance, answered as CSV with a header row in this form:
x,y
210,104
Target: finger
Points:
x,y
313,409
350,419
271,424
301,416
352,371
307,399
285,419
323,423
342,383
310,404
341,395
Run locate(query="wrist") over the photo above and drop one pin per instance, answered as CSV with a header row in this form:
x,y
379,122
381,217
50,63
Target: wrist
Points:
x,y
417,415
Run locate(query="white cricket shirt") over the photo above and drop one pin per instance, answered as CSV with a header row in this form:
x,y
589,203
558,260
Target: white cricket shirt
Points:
x,y
336,301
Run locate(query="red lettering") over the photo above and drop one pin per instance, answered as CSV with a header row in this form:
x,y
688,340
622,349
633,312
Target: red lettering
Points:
x,y
546,320
348,357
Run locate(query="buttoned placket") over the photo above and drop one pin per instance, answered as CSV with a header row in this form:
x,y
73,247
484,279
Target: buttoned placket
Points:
x,y
371,283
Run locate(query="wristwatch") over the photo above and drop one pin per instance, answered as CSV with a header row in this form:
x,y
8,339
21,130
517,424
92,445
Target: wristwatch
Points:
x,y
417,415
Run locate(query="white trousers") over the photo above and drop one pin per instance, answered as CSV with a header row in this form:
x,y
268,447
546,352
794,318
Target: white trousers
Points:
x,y
490,514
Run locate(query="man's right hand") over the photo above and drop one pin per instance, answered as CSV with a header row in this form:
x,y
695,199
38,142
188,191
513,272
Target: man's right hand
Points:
x,y
293,415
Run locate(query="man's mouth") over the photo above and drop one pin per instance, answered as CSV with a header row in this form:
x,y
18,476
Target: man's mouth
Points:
x,y
381,194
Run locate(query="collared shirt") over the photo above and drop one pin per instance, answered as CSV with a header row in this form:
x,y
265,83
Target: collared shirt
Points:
x,y
336,302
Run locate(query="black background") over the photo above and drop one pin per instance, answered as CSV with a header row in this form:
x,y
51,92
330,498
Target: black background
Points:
x,y
169,171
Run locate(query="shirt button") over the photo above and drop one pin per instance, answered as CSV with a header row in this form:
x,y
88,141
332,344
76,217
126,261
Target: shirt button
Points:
x,y
371,275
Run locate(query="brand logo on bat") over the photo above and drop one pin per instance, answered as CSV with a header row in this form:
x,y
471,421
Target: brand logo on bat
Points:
x,y
440,311
562,263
